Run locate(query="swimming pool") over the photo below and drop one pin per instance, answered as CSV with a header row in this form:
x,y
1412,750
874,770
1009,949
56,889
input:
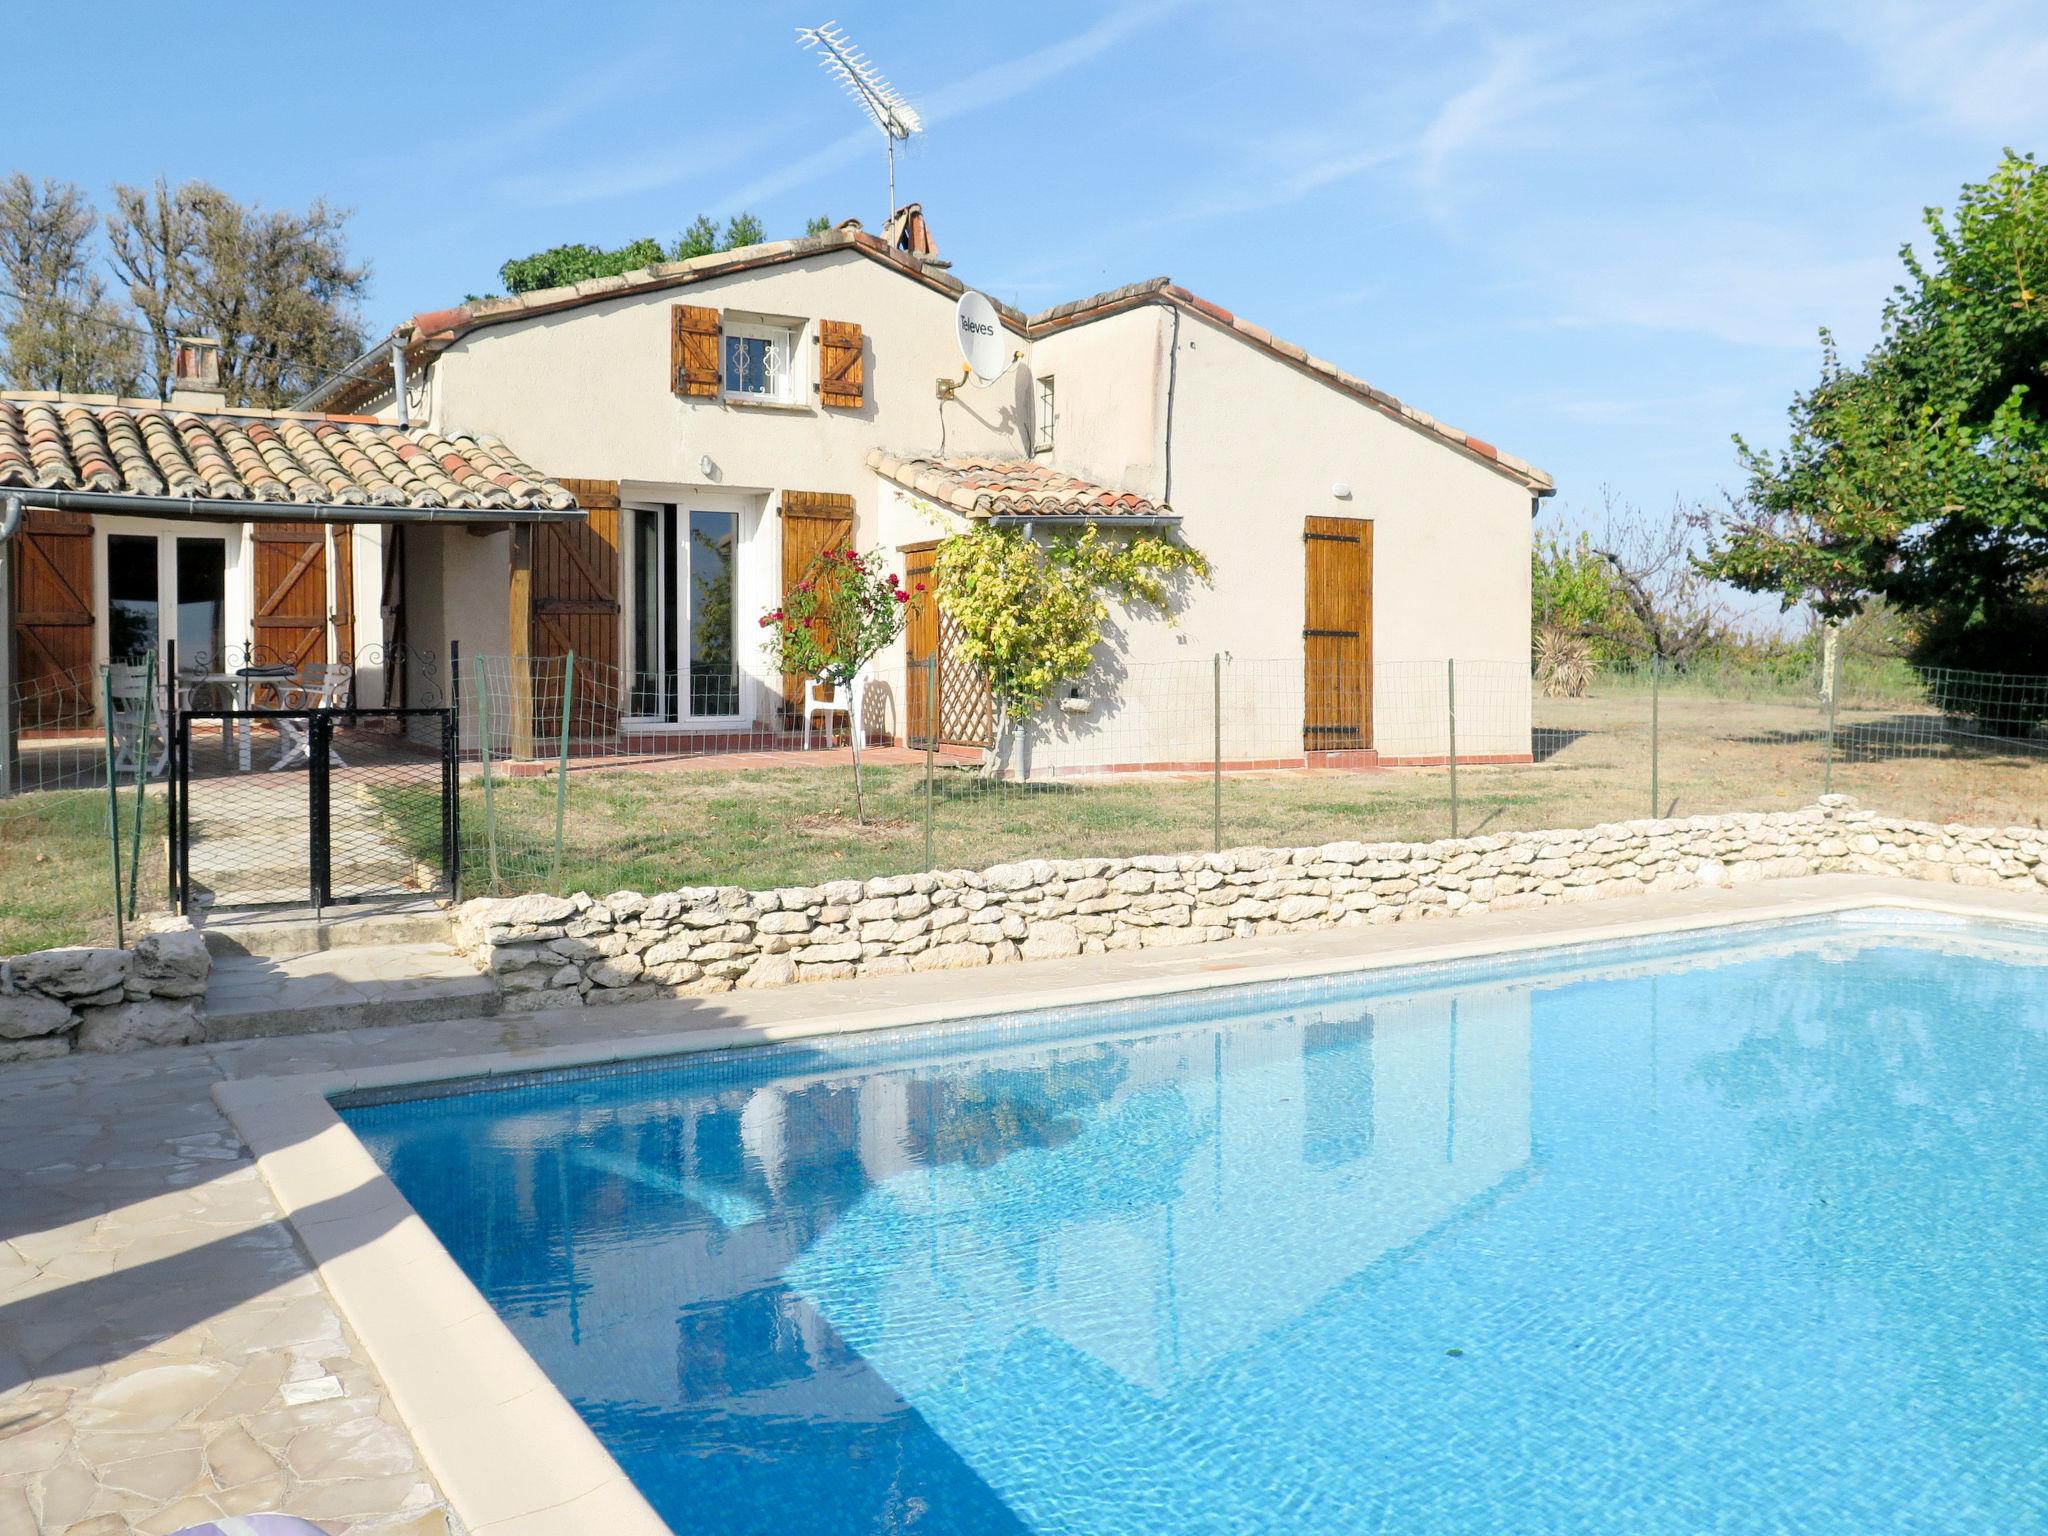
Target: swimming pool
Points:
x,y
1734,1233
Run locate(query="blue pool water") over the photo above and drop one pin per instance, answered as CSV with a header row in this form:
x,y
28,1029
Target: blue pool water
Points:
x,y
1736,1234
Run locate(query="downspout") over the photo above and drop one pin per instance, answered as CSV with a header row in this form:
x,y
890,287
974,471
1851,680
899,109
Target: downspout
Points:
x,y
398,382
10,737
1172,379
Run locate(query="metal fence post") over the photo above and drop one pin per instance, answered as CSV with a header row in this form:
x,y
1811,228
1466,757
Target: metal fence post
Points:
x,y
1832,681
483,742
1656,684
320,747
931,746
113,798
562,770
1451,714
141,785
1216,750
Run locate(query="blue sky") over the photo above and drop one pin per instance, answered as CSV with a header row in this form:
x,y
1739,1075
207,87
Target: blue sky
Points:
x,y
1600,235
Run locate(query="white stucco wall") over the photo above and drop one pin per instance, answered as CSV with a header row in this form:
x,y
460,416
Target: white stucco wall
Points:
x,y
585,392
1255,446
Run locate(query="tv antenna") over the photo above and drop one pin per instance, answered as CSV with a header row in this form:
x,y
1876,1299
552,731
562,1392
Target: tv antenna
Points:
x,y
858,76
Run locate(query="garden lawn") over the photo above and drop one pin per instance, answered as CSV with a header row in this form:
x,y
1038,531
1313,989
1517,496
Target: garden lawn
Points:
x,y
649,829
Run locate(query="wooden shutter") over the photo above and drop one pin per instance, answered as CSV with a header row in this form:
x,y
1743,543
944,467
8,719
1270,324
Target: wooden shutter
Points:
x,y
842,374
345,595
1336,635
812,522
693,351
291,593
576,608
53,619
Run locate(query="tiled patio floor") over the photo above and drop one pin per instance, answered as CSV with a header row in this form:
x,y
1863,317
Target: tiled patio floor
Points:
x,y
166,1351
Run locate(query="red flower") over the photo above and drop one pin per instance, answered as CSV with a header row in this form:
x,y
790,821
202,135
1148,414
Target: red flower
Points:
x,y
920,586
902,597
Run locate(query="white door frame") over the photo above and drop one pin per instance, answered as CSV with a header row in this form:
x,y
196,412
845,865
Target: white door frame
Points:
x,y
749,544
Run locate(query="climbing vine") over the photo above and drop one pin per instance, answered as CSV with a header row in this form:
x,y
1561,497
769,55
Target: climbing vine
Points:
x,y
1030,612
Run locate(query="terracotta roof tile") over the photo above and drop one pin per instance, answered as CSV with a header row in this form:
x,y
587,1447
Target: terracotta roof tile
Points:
x,y
137,448
984,487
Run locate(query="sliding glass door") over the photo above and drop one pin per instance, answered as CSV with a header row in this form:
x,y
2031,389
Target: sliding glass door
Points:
x,y
685,643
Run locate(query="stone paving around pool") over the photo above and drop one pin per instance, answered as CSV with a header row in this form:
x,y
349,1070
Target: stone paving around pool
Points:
x,y
167,1352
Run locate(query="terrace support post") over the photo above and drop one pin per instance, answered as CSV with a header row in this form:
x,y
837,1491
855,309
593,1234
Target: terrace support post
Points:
x,y
562,770
1216,751
171,761
483,743
113,798
1451,716
931,746
141,786
10,714
1656,685
519,660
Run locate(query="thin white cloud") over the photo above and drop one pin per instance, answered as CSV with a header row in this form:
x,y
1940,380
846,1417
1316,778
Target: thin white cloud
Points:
x,y
1978,65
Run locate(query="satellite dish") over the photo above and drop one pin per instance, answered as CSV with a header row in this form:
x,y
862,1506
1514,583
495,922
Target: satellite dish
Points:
x,y
979,330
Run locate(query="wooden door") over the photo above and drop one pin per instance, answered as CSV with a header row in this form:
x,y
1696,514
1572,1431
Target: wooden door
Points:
x,y
576,608
812,522
53,619
290,624
1336,635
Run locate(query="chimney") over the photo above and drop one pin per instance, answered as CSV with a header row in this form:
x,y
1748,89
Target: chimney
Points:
x,y
195,374
910,234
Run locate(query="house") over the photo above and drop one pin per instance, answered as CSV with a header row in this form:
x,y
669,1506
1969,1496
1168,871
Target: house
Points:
x,y
712,425
225,538
724,419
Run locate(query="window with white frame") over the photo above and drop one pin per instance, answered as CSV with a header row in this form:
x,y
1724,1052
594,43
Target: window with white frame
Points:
x,y
1041,441
761,360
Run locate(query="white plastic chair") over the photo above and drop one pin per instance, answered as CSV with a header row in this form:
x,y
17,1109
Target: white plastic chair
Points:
x,y
130,689
847,703
323,685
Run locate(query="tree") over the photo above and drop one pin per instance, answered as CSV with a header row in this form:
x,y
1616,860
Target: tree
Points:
x,y
1029,614
277,289
560,266
818,226
563,265
842,612
1668,600
60,329
742,229
1921,473
1573,589
700,239
153,236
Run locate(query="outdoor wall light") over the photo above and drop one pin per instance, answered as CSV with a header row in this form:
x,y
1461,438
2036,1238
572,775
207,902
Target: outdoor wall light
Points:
x,y
705,467
1341,490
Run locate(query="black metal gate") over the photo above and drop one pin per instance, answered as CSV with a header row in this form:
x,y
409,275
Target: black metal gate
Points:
x,y
321,807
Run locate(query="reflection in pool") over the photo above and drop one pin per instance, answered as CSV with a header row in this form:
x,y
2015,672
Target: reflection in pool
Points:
x,y
1739,1236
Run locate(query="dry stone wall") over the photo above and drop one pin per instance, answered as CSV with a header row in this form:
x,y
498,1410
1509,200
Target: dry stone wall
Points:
x,y
58,1000
553,952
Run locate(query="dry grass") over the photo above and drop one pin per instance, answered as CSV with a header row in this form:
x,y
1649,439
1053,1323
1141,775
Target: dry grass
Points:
x,y
56,872
779,825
